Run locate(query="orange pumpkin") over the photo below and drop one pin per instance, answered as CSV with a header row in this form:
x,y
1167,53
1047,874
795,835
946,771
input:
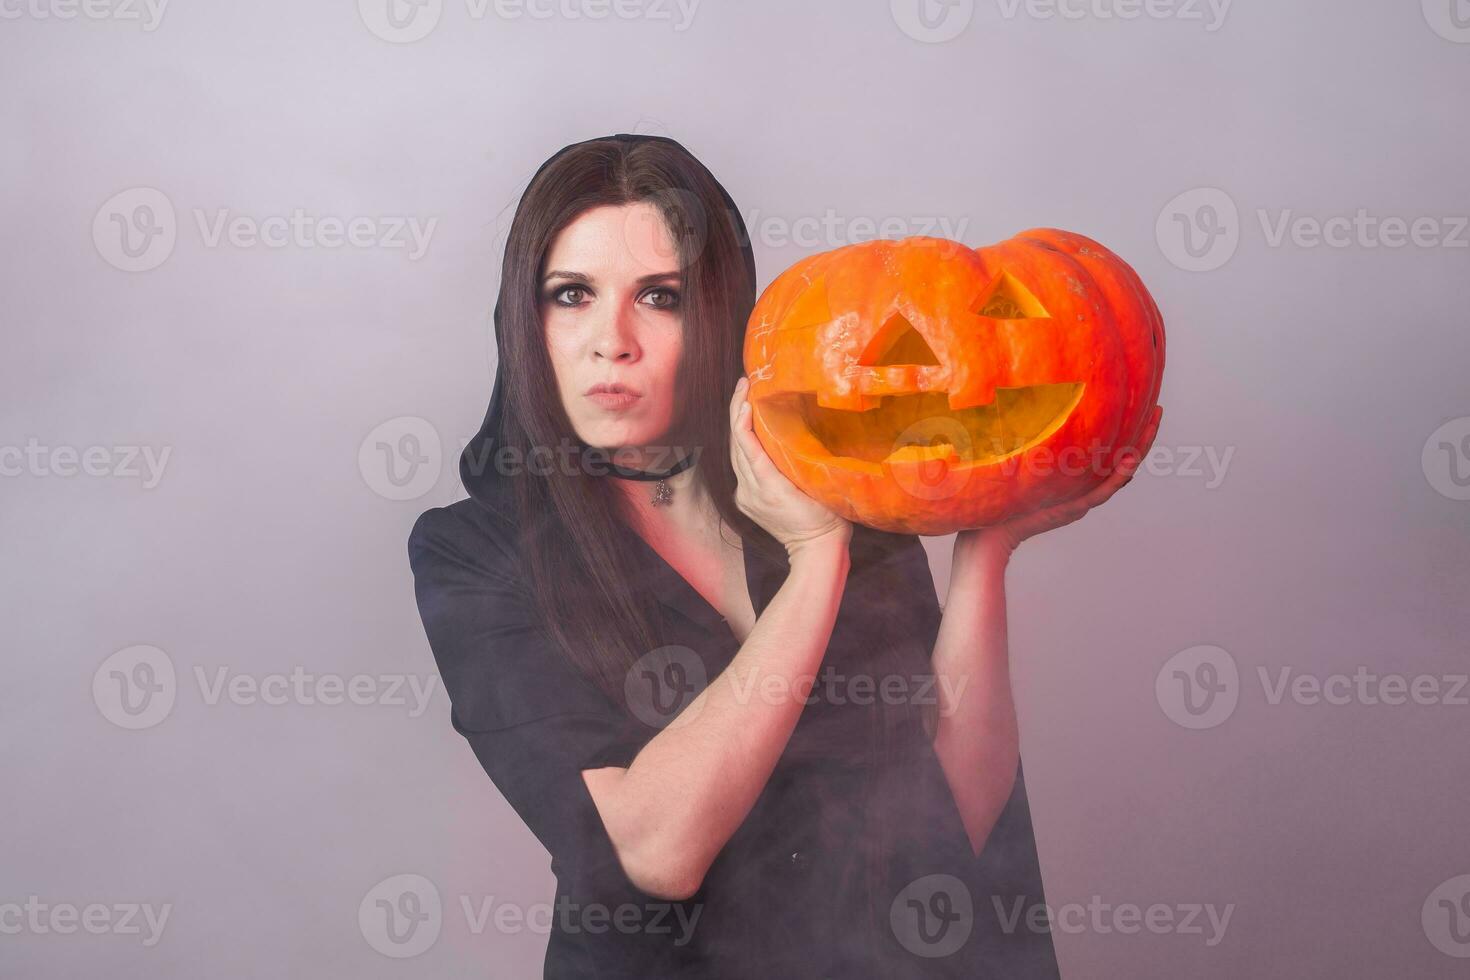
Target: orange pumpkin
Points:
x,y
922,386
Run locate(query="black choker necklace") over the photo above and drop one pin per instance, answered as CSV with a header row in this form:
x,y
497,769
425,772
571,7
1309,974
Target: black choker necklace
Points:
x,y
662,492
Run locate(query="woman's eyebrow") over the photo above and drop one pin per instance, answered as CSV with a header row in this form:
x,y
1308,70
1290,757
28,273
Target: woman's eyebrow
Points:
x,y
673,275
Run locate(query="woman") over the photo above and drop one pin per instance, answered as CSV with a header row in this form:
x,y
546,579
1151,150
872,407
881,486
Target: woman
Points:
x,y
740,725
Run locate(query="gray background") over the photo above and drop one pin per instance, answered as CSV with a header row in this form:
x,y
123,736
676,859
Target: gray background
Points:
x,y
1334,539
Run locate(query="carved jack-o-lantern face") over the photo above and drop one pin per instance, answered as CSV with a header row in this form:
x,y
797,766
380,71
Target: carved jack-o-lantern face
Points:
x,y
922,386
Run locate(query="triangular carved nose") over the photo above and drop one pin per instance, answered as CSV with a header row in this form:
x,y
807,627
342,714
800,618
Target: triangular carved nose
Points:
x,y
897,342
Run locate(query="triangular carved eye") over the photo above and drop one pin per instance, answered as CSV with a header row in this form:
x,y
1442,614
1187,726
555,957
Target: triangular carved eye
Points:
x,y
1007,299
810,308
897,342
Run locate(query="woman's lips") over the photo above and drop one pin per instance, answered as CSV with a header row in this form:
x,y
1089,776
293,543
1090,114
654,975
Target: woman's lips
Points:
x,y
613,396
613,400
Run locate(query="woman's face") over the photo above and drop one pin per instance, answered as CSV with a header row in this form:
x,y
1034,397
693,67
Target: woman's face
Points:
x,y
610,306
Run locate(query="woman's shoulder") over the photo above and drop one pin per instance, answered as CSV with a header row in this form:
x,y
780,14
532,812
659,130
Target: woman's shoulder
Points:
x,y
465,532
499,666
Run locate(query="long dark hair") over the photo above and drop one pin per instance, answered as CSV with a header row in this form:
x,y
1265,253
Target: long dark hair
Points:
x,y
578,567
568,520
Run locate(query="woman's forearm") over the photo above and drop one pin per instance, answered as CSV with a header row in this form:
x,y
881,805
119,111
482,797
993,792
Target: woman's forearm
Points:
x,y
680,800
977,740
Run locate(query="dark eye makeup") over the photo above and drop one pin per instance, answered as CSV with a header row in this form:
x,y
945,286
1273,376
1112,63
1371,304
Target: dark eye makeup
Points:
x,y
574,294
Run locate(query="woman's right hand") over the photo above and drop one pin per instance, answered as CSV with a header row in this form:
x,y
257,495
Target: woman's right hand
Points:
x,y
766,496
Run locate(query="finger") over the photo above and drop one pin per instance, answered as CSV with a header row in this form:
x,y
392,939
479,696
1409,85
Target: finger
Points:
x,y
1129,458
750,446
741,434
739,405
738,459
745,479
1123,473
1102,493
1059,515
742,425
738,397
1150,431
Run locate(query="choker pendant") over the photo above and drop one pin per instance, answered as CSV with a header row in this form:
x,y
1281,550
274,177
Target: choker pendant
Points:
x,y
663,493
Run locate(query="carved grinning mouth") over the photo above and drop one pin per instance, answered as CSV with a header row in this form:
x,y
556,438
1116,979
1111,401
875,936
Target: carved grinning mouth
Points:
x,y
912,428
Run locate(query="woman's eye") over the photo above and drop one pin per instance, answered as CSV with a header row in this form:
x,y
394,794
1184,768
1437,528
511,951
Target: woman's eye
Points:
x,y
569,296
662,298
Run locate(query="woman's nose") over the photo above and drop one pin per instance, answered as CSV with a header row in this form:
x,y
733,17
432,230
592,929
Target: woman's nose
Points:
x,y
616,339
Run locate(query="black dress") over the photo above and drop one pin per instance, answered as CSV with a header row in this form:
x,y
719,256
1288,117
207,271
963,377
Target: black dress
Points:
x,y
789,895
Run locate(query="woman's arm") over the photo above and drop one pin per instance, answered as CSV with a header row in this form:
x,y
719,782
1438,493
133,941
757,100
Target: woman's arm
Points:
x,y
977,740
681,799
685,794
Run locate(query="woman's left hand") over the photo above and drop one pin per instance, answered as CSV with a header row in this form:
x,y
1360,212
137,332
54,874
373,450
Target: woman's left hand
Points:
x,y
1006,536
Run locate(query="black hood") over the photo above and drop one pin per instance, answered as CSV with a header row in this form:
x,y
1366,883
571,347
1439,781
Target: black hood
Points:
x,y
476,470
